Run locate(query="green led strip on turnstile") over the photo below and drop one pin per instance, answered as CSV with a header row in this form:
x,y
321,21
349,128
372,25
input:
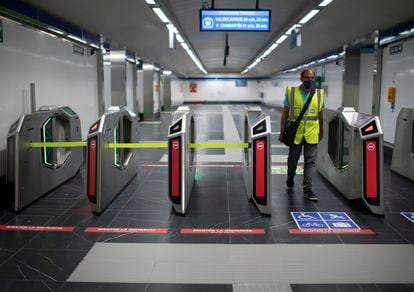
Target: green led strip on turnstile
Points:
x,y
57,144
218,145
138,145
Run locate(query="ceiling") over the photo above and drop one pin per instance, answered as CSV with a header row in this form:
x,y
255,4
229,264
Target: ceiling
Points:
x,y
131,24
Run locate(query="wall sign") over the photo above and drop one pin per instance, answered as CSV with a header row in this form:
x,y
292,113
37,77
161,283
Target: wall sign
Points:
x,y
78,50
241,83
1,31
397,49
193,87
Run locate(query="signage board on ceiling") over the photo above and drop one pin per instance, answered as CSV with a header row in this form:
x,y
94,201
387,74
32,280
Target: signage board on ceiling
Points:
x,y
234,20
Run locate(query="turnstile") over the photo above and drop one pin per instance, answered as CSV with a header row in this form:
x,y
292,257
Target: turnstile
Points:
x,y
351,156
403,153
256,160
110,169
33,172
181,159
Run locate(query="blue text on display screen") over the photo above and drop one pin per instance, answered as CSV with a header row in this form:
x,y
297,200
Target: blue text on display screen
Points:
x,y
234,20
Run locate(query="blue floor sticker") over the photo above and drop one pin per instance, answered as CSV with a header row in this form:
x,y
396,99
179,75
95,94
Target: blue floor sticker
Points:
x,y
408,215
324,220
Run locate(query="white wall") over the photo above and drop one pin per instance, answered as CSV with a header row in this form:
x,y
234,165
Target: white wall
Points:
x,y
398,71
209,90
177,92
61,77
275,89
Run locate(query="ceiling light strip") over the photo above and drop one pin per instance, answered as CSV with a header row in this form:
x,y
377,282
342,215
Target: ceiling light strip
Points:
x,y
286,34
171,27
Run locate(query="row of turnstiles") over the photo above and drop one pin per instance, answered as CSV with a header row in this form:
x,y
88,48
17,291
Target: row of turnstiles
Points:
x,y
350,157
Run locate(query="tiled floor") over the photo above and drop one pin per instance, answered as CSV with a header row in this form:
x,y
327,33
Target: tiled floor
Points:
x,y
42,261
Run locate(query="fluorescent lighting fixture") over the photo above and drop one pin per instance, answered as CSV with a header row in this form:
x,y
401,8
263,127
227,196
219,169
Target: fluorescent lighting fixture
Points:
x,y
308,16
48,33
281,39
146,66
185,46
295,26
325,3
76,39
172,27
161,15
407,32
130,60
342,53
274,46
55,30
387,39
167,72
117,56
93,45
150,2
179,38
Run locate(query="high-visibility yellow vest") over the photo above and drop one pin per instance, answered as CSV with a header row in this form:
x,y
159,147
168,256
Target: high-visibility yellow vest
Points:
x,y
309,125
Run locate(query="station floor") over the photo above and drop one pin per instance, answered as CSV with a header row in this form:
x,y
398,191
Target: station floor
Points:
x,y
275,260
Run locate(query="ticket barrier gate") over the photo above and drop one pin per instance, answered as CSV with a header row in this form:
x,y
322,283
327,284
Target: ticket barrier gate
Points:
x,y
256,160
351,156
110,169
181,159
403,153
33,172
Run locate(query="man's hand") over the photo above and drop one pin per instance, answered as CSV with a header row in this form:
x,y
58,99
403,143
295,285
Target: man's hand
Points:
x,y
282,138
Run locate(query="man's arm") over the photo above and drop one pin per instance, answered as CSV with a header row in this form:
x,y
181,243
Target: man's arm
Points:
x,y
320,116
283,120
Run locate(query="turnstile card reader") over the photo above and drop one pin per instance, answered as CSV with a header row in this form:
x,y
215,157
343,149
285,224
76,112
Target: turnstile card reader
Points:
x,y
256,161
403,152
33,172
110,169
181,159
351,156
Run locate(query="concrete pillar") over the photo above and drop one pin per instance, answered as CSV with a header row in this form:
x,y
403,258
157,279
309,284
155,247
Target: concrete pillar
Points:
x,y
166,92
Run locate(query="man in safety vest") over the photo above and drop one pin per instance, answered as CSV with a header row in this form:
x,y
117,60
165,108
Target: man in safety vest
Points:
x,y
309,132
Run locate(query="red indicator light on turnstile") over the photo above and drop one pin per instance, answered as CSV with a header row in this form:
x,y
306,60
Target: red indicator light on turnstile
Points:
x,y
175,168
369,129
92,145
260,169
94,127
371,173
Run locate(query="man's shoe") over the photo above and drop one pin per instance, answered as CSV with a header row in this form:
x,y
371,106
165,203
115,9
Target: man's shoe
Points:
x,y
290,183
310,195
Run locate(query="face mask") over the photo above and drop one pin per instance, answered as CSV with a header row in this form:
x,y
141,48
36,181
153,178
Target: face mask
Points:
x,y
308,84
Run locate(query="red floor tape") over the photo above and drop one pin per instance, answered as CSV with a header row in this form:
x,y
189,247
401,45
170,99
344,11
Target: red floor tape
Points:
x,y
222,231
37,228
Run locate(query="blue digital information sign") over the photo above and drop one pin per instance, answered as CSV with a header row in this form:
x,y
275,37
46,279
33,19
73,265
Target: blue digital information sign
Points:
x,y
234,20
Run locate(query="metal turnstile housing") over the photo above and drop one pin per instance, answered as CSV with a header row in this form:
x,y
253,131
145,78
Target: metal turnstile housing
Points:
x,y
181,160
110,169
256,160
33,172
350,156
403,153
